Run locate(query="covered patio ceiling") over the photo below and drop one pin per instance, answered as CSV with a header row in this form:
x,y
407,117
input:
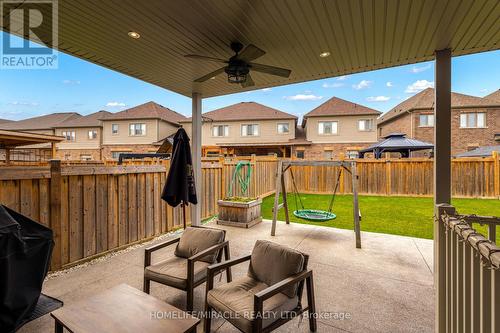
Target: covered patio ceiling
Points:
x,y
360,35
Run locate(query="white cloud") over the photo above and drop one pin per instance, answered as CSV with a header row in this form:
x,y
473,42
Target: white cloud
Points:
x,y
389,84
266,89
332,85
342,78
303,97
419,85
417,69
17,103
115,104
71,82
362,85
378,98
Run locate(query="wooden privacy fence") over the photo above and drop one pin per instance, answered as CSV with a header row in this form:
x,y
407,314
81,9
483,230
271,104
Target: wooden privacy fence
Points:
x,y
471,177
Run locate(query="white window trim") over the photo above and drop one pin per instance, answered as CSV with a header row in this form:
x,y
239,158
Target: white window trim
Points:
x,y
427,115
365,130
143,134
64,134
278,126
117,129
252,135
328,121
467,120
88,134
220,136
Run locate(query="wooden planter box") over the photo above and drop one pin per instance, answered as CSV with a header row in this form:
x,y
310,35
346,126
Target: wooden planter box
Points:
x,y
239,214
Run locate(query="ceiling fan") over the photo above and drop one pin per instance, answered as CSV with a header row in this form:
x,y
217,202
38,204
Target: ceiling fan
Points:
x,y
239,65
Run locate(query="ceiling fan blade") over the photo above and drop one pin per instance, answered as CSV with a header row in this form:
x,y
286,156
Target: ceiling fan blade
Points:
x,y
210,75
196,56
251,52
270,70
249,82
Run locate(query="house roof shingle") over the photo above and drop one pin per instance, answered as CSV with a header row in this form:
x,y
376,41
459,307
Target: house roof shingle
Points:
x,y
494,96
245,111
339,107
149,110
40,123
90,120
425,100
3,121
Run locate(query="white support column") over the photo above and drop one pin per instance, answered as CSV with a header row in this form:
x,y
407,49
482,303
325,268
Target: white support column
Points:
x,y
442,180
196,151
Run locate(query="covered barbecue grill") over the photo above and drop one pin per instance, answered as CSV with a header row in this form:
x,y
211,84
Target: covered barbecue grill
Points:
x,y
25,250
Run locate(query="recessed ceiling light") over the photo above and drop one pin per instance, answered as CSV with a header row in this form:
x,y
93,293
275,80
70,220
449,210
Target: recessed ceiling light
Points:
x,y
134,34
212,78
324,54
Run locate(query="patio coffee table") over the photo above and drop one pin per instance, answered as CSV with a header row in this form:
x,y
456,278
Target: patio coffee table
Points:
x,y
123,309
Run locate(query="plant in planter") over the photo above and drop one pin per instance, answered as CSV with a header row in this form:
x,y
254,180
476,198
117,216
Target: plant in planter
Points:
x,y
240,211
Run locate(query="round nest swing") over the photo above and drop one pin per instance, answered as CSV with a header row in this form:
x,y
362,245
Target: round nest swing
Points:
x,y
314,215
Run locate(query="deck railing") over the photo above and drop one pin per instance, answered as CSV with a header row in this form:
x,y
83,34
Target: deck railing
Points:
x,y
468,275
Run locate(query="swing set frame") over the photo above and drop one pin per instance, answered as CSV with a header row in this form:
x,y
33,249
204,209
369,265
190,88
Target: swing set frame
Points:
x,y
284,166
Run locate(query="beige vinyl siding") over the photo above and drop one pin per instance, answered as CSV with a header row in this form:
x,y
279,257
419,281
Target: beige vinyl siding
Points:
x,y
40,145
82,140
268,132
165,129
123,136
347,130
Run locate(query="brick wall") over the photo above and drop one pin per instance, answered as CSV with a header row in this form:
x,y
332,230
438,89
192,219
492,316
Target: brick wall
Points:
x,y
107,150
76,154
462,139
318,150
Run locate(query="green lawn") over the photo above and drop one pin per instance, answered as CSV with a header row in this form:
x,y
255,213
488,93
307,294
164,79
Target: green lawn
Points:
x,y
408,216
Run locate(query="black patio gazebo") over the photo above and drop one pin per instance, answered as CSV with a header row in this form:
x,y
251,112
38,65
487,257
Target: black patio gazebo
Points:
x,y
396,143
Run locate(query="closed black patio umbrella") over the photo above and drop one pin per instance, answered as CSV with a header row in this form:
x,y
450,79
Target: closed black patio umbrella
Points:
x,y
180,187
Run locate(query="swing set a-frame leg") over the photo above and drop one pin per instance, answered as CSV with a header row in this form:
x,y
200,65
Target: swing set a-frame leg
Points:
x,y
285,200
279,173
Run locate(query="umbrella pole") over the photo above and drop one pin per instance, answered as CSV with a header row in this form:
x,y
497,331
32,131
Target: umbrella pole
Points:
x,y
184,214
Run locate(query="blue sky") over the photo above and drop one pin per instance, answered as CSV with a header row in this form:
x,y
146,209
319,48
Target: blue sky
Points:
x,y
83,87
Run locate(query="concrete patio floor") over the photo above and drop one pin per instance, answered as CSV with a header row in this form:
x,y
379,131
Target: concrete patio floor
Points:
x,y
387,286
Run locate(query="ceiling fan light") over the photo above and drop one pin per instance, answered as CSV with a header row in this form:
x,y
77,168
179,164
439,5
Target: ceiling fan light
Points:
x,y
236,78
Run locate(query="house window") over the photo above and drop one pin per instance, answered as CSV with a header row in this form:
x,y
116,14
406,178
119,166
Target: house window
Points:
x,y
283,128
250,130
327,127
92,134
351,154
299,154
426,120
85,157
114,129
328,154
365,125
69,135
220,130
138,129
473,120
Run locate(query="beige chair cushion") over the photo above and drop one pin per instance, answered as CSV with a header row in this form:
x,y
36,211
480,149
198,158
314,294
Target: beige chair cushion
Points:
x,y
272,263
235,300
194,240
173,272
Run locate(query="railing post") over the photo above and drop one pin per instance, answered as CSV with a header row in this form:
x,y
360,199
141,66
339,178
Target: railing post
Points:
x,y
55,211
440,265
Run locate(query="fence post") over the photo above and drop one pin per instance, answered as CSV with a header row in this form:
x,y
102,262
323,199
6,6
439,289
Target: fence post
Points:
x,y
496,173
55,211
388,177
222,177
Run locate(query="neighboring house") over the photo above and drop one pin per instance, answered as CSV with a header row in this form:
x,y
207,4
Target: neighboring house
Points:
x,y
336,129
246,128
138,129
3,121
40,125
475,120
83,137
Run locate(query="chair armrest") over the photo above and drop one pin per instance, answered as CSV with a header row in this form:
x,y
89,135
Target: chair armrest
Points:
x,y
208,251
216,268
149,250
282,285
